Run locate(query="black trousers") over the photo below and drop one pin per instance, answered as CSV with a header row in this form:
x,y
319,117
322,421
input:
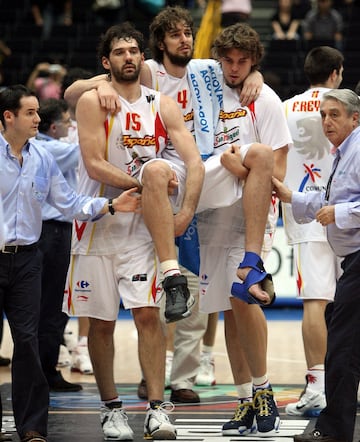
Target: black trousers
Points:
x,y
20,291
342,363
54,245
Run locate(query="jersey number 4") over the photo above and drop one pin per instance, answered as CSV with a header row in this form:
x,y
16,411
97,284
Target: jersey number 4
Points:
x,y
182,98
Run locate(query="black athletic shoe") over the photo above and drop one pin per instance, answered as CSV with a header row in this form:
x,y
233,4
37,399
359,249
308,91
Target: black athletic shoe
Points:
x,y
267,415
243,421
61,386
178,298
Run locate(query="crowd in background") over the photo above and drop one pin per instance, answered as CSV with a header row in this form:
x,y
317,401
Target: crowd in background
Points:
x,y
293,26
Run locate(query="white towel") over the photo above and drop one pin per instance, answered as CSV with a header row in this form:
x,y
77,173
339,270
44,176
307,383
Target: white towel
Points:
x,y
206,80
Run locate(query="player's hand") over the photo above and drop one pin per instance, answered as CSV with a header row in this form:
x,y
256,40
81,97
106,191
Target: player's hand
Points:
x,y
173,184
128,201
232,161
251,88
281,191
108,97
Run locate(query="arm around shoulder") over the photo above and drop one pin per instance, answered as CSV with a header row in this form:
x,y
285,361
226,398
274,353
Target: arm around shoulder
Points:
x,y
76,89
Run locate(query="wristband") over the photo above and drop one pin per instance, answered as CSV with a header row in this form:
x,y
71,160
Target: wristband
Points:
x,y
111,207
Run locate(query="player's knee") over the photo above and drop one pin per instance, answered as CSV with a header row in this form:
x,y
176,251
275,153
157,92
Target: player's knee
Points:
x,y
156,172
260,155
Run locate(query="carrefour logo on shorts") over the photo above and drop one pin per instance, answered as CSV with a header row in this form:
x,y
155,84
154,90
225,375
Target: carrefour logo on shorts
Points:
x,y
203,284
82,286
204,277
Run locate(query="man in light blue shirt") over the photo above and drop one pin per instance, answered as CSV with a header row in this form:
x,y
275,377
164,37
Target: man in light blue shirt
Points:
x,y
2,225
338,208
55,242
29,176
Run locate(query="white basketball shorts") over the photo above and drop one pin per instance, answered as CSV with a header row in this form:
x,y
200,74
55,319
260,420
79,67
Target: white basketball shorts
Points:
x,y
95,284
317,269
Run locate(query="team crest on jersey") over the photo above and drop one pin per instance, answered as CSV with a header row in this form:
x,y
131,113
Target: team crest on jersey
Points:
x,y
308,138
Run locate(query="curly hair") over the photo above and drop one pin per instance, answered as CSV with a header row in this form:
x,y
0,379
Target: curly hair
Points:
x,y
166,21
125,31
239,36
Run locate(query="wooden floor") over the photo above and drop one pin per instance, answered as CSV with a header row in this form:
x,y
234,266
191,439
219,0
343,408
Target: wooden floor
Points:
x,y
286,362
75,417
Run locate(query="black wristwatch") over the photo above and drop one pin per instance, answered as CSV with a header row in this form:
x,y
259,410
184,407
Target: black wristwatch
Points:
x,y
111,207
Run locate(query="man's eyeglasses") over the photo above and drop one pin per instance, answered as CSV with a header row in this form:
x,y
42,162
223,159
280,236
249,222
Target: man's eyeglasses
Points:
x,y
67,121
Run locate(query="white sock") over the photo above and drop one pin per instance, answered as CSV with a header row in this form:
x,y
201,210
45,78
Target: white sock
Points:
x,y
207,349
170,267
316,378
261,383
245,392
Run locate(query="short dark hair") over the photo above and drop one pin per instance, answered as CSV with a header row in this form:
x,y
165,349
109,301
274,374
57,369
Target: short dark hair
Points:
x,y
320,62
240,36
125,31
166,20
10,98
51,110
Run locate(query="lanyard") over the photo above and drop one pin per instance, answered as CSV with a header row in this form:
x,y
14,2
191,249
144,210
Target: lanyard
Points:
x,y
335,165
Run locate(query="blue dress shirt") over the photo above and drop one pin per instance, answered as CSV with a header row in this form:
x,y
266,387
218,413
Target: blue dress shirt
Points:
x,y
25,188
67,158
344,234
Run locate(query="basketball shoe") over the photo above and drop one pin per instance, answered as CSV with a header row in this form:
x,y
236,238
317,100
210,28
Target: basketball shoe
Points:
x,y
114,422
81,360
206,373
157,423
243,422
179,300
310,404
266,412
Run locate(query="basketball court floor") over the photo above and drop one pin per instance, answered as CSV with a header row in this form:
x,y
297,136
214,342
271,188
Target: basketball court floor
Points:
x,y
74,417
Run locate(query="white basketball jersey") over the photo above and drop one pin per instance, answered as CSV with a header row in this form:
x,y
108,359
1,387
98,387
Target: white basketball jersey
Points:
x,y
309,162
263,121
178,89
133,136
